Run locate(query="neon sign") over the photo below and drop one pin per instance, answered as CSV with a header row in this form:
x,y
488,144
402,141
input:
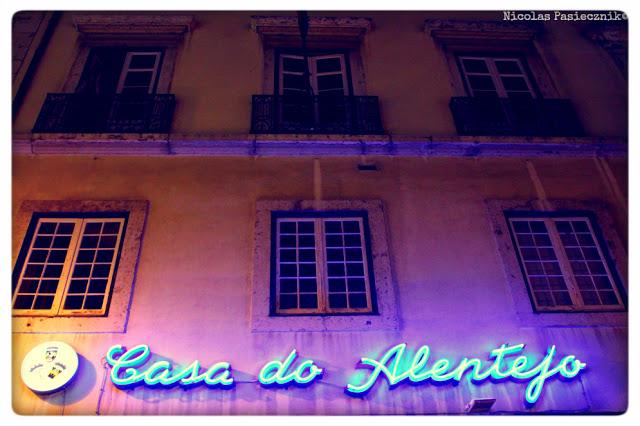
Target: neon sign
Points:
x,y
274,372
161,373
395,365
441,370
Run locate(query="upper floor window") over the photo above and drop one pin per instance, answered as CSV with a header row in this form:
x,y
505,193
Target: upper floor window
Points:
x,y
322,264
501,84
565,265
120,79
139,72
503,77
324,94
69,265
115,93
327,74
111,70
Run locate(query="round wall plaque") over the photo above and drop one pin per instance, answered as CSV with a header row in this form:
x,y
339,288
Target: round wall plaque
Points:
x,y
49,367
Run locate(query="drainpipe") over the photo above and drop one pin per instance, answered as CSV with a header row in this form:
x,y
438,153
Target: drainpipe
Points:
x,y
303,25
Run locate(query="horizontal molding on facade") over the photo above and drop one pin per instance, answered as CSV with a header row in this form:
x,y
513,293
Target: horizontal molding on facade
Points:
x,y
313,145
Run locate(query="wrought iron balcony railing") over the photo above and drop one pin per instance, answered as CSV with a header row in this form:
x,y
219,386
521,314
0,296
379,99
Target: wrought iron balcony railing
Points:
x,y
316,114
514,117
84,113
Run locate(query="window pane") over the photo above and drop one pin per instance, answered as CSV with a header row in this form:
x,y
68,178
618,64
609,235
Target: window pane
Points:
x,y
142,61
515,83
73,302
357,300
38,256
93,228
29,286
57,256
308,286
105,256
293,64
47,228
78,286
43,302
23,302
306,227
481,82
111,228
330,82
475,65
508,67
97,286
288,301
337,285
138,78
328,65
293,81
308,301
288,286
93,302
332,227
338,300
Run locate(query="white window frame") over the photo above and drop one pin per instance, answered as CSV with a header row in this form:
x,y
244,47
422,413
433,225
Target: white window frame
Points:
x,y
57,307
126,69
312,63
322,268
494,74
565,266
263,317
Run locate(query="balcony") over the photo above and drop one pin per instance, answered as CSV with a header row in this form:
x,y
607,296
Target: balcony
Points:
x,y
481,116
90,113
356,115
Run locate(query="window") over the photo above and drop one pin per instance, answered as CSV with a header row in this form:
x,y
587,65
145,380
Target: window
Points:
x,y
322,264
332,98
327,74
116,93
496,77
564,263
115,70
501,84
69,265
139,72
336,241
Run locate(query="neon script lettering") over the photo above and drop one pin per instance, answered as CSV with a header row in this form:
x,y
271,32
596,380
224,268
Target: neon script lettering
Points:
x,y
275,372
125,373
395,365
396,368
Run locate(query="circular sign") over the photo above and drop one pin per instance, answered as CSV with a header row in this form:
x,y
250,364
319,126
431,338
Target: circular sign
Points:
x,y
49,367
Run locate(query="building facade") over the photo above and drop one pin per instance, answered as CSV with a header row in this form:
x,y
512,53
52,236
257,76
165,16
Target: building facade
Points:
x,y
202,184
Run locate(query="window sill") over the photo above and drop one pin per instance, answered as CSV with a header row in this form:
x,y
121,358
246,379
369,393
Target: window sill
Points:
x,y
298,323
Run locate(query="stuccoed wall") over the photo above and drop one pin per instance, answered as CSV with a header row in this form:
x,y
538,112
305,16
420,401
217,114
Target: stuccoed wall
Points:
x,y
192,293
